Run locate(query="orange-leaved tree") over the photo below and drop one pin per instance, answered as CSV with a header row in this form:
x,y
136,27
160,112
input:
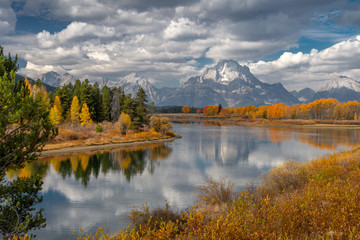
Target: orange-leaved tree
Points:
x,y
185,109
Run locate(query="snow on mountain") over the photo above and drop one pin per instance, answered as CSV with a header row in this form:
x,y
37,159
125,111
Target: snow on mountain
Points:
x,y
229,84
342,81
133,82
226,71
54,79
341,88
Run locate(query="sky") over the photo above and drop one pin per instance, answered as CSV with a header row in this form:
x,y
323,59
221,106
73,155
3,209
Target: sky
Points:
x,y
300,43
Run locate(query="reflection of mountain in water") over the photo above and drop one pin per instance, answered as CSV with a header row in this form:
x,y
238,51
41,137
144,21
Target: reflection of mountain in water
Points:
x,y
83,166
224,146
231,145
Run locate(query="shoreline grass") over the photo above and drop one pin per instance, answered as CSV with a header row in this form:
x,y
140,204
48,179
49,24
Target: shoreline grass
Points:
x,y
185,118
319,199
85,136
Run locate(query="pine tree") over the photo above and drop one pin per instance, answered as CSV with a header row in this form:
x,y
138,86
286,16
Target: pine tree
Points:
x,y
98,114
141,113
74,110
76,90
85,116
106,103
87,96
17,147
65,94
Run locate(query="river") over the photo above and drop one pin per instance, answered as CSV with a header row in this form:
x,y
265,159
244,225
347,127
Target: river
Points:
x,y
92,189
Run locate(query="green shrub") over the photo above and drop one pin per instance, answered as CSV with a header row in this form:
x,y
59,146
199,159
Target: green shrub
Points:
x,y
99,128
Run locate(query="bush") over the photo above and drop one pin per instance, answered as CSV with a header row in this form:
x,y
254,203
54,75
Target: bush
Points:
x,y
216,192
153,219
99,128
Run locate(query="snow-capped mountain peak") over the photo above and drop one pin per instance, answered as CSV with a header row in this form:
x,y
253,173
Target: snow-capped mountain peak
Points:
x,y
54,79
340,82
226,71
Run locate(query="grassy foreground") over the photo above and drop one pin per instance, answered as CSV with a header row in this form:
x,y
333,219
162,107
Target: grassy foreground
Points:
x,y
319,199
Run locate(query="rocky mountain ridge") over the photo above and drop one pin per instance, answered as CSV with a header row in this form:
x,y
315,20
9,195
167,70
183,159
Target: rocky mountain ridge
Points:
x,y
227,83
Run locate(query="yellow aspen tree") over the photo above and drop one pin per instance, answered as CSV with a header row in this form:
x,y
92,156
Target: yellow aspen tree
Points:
x,y
124,122
55,115
85,115
74,110
57,103
55,112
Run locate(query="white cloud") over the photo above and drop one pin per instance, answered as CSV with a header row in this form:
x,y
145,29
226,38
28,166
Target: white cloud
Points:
x,y
76,31
183,29
299,70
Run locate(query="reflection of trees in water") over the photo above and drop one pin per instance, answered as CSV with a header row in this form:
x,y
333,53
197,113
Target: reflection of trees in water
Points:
x,y
229,147
323,138
83,166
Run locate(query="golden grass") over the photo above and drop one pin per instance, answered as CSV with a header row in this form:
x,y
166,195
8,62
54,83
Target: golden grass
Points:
x,y
79,136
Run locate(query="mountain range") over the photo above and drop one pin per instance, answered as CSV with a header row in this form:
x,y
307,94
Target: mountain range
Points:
x,y
227,83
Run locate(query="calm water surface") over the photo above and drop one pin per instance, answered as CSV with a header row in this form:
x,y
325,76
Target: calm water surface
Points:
x,y
89,190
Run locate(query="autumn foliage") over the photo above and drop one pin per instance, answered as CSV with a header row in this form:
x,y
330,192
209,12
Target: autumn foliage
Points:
x,y
322,109
185,109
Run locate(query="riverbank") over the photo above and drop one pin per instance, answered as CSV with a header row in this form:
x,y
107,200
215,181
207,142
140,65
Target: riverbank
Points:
x,y
108,146
78,139
186,118
319,199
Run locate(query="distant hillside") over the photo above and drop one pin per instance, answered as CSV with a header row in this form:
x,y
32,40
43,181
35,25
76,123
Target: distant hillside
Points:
x,y
305,95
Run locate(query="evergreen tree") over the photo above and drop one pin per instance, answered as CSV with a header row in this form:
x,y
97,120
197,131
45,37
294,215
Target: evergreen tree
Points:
x,y
129,106
87,96
76,90
141,113
18,146
65,94
7,64
106,103
98,114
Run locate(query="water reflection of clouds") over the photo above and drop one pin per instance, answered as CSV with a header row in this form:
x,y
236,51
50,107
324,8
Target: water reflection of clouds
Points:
x,y
238,153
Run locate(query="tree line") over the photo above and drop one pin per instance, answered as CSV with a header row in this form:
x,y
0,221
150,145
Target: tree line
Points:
x,y
98,105
322,109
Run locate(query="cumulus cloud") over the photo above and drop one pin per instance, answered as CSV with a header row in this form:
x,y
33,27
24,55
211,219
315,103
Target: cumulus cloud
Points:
x,y
109,39
76,31
298,70
183,29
